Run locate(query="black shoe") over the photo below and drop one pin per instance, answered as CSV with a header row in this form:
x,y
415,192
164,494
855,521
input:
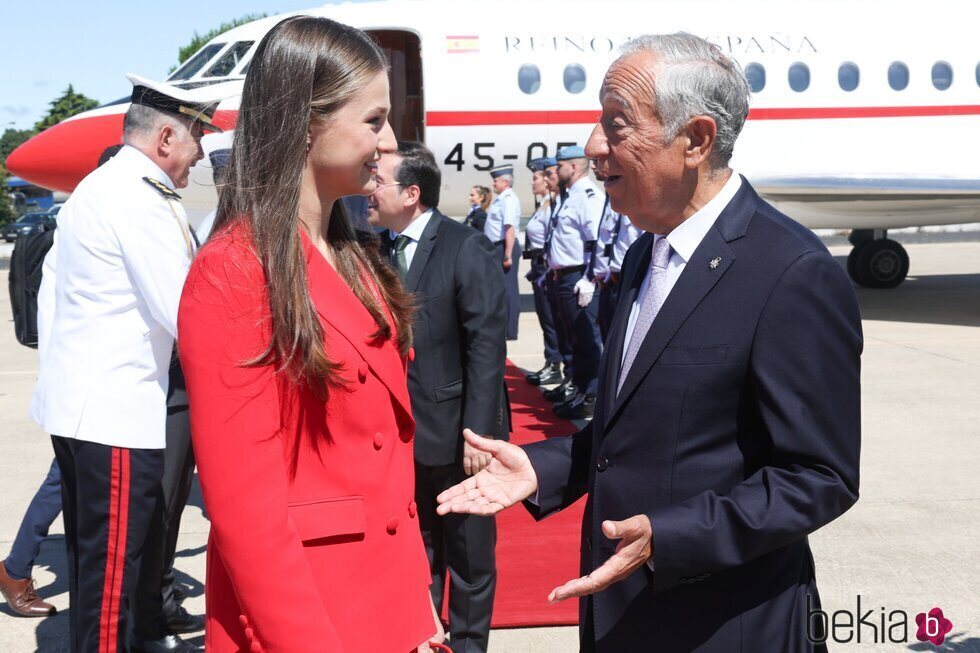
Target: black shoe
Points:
x,y
563,392
182,621
550,373
582,407
166,644
177,594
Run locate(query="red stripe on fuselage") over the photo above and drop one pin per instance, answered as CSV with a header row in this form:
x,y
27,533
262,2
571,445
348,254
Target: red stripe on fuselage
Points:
x,y
496,118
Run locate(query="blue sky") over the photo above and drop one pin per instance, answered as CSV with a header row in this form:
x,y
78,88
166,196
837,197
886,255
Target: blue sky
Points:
x,y
46,45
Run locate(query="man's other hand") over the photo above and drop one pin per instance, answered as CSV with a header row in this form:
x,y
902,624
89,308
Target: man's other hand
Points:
x,y
474,460
632,552
508,478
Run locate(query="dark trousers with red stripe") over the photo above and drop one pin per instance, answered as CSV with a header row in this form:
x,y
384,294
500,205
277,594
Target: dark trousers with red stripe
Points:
x,y
110,496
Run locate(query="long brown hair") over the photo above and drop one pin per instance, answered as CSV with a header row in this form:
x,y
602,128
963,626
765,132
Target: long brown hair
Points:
x,y
485,196
303,70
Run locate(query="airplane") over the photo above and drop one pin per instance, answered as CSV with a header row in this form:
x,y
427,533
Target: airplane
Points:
x,y
865,115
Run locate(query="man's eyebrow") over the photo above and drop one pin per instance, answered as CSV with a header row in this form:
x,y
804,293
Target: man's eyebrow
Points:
x,y
617,98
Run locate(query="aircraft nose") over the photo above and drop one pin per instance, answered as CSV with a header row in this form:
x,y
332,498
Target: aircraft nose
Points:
x,y
60,156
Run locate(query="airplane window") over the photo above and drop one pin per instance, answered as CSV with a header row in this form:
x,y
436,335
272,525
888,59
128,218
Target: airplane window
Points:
x,y
942,75
799,77
529,78
898,76
196,63
574,78
756,75
848,76
229,60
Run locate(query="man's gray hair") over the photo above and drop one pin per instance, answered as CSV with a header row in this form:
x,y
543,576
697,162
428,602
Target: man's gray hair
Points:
x,y
694,78
508,178
141,121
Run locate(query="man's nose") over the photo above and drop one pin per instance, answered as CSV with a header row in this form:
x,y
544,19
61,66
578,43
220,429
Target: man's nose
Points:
x,y
597,144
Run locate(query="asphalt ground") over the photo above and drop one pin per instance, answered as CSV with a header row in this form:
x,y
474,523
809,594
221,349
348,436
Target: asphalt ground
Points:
x,y
910,544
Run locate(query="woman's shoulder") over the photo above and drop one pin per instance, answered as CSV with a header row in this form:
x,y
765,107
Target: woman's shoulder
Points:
x,y
228,260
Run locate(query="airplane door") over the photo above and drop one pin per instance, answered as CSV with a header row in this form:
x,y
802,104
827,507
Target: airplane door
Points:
x,y
404,53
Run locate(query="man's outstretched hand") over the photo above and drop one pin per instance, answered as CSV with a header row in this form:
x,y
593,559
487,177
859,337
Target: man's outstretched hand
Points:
x,y
508,478
634,549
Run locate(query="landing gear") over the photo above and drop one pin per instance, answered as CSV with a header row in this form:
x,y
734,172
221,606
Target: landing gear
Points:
x,y
876,261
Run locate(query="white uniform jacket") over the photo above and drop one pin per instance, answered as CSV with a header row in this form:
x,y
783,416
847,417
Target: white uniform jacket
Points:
x,y
119,262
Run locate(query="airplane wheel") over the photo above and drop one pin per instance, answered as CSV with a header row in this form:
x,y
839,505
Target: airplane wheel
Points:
x,y
878,264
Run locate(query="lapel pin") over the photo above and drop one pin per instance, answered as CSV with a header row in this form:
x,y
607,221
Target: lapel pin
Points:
x,y
713,264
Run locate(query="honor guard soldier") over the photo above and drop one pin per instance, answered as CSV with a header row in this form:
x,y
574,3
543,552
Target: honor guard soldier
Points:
x,y
503,221
535,233
122,253
570,250
616,234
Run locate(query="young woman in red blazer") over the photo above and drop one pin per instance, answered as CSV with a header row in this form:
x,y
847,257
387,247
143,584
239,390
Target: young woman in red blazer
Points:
x,y
294,340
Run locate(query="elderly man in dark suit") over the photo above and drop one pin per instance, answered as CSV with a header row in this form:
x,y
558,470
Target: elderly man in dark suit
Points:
x,y
727,426
456,379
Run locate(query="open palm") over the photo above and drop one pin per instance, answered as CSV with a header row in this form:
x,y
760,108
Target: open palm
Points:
x,y
508,478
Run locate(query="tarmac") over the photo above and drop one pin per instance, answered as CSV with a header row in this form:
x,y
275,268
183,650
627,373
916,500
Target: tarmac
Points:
x,y
912,542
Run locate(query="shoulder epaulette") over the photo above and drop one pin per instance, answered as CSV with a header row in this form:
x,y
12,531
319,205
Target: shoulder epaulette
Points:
x,y
590,192
161,188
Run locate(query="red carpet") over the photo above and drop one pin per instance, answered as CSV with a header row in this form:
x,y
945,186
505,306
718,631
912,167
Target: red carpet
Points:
x,y
533,558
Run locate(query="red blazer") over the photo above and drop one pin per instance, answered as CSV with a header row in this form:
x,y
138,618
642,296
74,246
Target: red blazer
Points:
x,y
315,543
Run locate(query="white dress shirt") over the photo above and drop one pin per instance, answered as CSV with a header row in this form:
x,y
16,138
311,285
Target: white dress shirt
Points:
x,y
414,233
536,229
577,224
684,239
108,307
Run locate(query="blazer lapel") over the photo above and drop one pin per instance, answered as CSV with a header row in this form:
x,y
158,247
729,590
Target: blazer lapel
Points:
x,y
697,279
423,251
337,305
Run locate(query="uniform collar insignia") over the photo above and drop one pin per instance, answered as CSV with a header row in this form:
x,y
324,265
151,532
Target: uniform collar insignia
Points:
x,y
162,188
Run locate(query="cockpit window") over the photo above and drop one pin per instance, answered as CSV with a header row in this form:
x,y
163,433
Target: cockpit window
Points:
x,y
196,63
229,60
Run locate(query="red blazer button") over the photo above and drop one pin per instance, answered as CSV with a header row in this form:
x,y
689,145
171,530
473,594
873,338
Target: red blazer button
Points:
x,y
250,634
412,509
243,620
406,434
256,647
411,353
378,441
392,526
362,371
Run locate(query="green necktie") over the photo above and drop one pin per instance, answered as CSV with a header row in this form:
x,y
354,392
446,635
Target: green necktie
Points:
x,y
401,263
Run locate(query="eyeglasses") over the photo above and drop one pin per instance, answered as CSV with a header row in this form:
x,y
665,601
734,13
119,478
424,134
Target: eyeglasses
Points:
x,y
380,186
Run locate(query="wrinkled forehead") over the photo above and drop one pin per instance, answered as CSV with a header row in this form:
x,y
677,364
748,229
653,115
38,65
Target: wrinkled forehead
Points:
x,y
629,83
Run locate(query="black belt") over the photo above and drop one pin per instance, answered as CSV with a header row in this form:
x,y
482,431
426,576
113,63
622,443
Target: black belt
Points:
x,y
532,253
499,242
564,272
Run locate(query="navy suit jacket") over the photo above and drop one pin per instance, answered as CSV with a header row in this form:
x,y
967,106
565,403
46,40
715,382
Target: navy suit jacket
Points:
x,y
737,432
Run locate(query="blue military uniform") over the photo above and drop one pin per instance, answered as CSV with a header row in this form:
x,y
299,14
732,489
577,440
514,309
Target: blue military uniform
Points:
x,y
505,211
616,234
570,249
535,238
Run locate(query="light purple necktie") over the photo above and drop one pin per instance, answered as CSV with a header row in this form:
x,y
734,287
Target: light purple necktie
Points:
x,y
654,299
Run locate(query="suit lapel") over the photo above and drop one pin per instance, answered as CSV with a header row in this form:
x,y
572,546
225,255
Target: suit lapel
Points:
x,y
423,251
338,306
697,279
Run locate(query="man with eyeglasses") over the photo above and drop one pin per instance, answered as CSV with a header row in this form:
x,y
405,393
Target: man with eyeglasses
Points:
x,y
457,379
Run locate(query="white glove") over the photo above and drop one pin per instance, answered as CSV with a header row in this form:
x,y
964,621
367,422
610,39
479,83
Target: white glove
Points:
x,y
584,289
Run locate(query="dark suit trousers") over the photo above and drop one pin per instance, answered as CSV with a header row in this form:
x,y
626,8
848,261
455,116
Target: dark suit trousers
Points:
x,y
41,513
463,544
513,295
542,306
157,580
110,496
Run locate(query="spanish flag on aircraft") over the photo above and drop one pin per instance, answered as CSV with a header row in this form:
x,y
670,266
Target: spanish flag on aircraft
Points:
x,y
462,44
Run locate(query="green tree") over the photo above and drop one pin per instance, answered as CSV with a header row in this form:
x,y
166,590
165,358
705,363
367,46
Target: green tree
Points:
x,y
11,140
7,213
198,41
65,106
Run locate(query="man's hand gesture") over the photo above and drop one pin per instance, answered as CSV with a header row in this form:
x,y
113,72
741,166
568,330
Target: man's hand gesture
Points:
x,y
508,479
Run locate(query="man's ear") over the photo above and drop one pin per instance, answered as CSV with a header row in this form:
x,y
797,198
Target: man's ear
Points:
x,y
412,195
702,134
166,138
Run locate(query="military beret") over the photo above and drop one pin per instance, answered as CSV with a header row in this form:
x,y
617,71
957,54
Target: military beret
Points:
x,y
571,152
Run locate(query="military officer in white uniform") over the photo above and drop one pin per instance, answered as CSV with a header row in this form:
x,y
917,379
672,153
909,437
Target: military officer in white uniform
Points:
x,y
571,246
121,255
503,221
